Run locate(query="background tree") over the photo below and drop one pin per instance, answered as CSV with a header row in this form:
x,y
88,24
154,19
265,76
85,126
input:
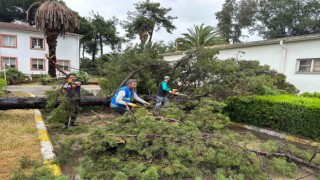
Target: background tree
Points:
x,y
15,10
54,19
234,17
88,31
147,18
285,18
200,36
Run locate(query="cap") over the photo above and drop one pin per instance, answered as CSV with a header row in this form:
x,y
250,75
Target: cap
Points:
x,y
167,77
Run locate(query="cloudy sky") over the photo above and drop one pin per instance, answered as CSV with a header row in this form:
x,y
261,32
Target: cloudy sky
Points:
x,y
189,13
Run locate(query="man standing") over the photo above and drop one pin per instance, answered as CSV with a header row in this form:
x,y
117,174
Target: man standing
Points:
x,y
72,90
162,93
122,100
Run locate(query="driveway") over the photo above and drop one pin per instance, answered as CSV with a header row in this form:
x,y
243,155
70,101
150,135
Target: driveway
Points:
x,y
39,90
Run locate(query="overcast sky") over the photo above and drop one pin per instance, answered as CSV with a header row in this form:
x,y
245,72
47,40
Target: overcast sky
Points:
x,y
188,13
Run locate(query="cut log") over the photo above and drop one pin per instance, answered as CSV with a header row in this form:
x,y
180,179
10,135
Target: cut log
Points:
x,y
38,102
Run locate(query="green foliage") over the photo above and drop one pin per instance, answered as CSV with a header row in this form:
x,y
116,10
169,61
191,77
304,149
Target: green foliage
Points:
x,y
281,166
270,146
68,149
3,86
307,94
200,36
104,83
31,170
117,68
282,18
173,112
13,76
144,148
46,79
147,18
83,77
234,17
52,97
291,114
63,111
208,115
208,76
11,11
269,18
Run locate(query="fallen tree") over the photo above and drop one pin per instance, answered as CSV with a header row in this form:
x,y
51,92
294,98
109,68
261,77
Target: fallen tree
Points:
x,y
40,102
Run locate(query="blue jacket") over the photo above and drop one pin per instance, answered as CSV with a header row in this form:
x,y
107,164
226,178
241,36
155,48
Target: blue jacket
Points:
x,y
127,97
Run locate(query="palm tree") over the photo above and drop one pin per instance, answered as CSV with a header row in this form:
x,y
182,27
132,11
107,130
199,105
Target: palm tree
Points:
x,y
200,36
54,19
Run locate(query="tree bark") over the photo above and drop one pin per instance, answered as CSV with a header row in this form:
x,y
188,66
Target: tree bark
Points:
x,y
37,102
52,43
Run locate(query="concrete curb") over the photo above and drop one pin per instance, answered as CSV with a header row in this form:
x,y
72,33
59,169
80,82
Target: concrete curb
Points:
x,y
47,151
279,135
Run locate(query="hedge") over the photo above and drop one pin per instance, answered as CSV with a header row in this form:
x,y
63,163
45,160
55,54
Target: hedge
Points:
x,y
287,113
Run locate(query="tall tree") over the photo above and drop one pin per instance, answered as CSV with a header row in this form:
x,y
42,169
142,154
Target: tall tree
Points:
x,y
285,18
200,36
88,32
147,18
54,19
99,33
234,17
15,10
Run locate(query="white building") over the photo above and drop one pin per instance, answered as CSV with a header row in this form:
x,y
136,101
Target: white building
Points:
x,y
296,57
24,47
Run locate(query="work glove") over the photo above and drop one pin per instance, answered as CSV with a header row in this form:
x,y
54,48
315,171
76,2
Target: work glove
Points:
x,y
147,104
133,105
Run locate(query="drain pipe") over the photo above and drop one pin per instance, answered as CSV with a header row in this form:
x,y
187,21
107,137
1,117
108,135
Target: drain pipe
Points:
x,y
284,56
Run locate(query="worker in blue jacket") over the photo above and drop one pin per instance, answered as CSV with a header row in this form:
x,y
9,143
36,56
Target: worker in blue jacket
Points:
x,y
122,100
162,93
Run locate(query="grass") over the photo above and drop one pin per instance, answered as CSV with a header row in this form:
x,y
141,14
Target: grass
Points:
x,y
18,139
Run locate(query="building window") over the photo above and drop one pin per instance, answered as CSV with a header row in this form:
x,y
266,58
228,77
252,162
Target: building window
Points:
x,y
9,62
64,64
9,41
309,65
37,43
37,64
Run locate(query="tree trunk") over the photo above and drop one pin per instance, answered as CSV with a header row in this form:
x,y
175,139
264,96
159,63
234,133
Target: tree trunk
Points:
x,y
151,33
94,51
101,45
37,102
52,43
83,48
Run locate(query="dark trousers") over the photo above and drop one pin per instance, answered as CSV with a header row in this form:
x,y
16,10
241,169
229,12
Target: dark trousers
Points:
x,y
72,109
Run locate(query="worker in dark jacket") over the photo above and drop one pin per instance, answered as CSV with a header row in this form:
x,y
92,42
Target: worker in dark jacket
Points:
x,y
122,100
72,90
162,93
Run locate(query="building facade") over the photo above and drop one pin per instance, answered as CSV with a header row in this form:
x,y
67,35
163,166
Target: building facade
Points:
x,y
296,57
24,48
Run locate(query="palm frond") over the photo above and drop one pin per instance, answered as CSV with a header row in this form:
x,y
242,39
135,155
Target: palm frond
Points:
x,y
53,16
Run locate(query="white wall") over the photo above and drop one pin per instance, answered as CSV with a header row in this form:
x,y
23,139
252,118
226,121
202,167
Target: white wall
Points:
x,y
267,55
67,49
272,55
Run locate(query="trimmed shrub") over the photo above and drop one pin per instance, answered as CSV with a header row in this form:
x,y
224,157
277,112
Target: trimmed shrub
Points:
x,y
46,79
13,76
291,114
307,94
2,86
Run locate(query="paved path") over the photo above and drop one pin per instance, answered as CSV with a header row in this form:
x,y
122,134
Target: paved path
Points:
x,y
39,90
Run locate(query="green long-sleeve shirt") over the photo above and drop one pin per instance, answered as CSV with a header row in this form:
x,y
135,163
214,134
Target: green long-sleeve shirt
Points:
x,y
165,86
